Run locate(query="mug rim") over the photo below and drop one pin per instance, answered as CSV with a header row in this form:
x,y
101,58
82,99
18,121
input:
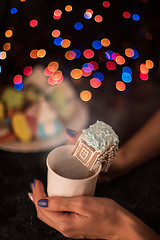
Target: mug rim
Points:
x,y
70,179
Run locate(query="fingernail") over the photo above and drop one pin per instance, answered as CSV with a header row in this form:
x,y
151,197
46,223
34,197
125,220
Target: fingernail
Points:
x,y
34,181
71,132
30,196
43,202
31,186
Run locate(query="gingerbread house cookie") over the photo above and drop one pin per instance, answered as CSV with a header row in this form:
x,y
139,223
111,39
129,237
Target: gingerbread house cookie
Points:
x,y
97,144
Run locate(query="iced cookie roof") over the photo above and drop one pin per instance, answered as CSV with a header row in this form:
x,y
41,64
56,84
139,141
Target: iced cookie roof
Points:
x,y
100,136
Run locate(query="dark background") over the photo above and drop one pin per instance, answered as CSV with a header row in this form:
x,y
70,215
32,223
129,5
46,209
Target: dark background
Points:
x,y
126,112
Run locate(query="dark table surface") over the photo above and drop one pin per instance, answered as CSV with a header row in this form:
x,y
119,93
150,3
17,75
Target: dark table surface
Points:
x,y
139,191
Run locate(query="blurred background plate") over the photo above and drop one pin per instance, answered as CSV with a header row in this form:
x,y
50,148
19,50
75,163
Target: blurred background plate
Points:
x,y
79,121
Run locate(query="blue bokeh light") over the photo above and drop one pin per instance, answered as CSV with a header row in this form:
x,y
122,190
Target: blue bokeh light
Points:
x,y
109,55
58,41
77,52
88,67
13,10
98,75
19,86
78,26
136,54
135,17
127,70
96,44
126,77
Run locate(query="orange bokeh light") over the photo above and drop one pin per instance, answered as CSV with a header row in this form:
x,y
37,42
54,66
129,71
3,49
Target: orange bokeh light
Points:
x,y
98,18
53,66
9,33
33,54
56,33
120,60
105,42
70,55
149,64
143,68
76,73
6,46
68,8
120,86
85,95
129,52
66,43
41,53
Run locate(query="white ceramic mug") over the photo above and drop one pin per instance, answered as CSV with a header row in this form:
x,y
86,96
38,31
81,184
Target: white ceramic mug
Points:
x,y
67,176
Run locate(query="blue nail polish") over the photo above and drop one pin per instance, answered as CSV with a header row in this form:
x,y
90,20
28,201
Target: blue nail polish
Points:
x,y
71,132
43,202
34,181
31,186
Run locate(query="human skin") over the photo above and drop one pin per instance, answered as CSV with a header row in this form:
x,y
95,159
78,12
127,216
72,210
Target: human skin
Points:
x,y
90,217
103,218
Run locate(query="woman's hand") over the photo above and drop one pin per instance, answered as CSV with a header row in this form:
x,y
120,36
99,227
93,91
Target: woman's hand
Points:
x,y
89,217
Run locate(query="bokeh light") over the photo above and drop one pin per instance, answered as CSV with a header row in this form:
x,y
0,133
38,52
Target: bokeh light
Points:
x,y
114,55
98,18
18,87
68,8
126,77
33,54
94,64
95,82
78,26
13,10
56,17
120,60
8,33
33,23
52,81
70,55
65,43
98,75
76,73
135,17
27,70
41,53
85,95
105,42
47,72
149,64
127,70
144,69
136,54
17,79
77,53
111,65
87,67
58,41
84,73
129,52
57,12
144,77
106,4
88,53
56,33
3,55
57,75
53,66
109,54
6,46
126,15
87,15
96,44
120,86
